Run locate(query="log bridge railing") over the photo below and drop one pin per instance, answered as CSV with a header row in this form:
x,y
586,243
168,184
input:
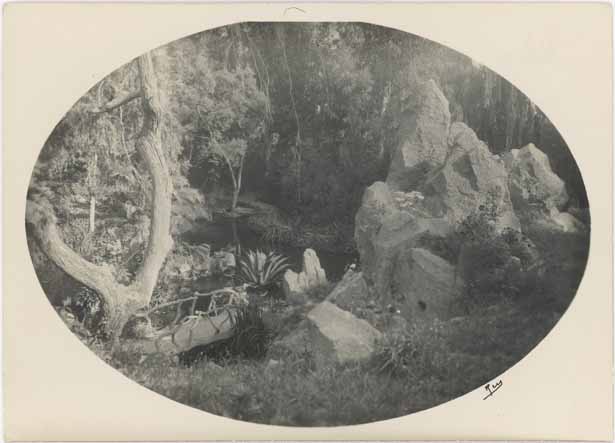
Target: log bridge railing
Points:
x,y
191,327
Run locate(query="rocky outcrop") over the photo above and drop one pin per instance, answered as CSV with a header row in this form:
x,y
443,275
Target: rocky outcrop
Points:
x,y
383,231
352,339
440,174
537,193
424,140
312,275
329,334
470,176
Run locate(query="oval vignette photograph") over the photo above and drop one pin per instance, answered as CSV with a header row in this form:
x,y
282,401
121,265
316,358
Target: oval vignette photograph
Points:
x,y
308,224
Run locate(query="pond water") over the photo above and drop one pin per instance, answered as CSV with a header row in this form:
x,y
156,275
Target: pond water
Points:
x,y
225,234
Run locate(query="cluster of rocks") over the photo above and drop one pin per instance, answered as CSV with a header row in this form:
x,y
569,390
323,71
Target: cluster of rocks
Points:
x,y
344,327
202,263
440,175
455,175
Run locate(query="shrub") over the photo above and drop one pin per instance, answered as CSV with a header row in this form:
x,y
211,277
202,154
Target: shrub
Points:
x,y
485,256
395,355
483,266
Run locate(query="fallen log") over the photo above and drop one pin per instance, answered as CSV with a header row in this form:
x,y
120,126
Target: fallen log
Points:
x,y
193,331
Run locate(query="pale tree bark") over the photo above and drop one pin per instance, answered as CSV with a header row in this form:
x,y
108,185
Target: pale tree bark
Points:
x,y
92,213
237,184
121,301
92,190
235,177
296,148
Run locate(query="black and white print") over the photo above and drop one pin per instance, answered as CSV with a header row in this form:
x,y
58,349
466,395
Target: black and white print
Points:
x,y
308,224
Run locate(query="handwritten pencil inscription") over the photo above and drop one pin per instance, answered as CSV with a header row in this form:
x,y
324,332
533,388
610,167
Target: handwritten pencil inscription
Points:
x,y
492,388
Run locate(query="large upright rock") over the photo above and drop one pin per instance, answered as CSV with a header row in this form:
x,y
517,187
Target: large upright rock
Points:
x,y
383,231
349,291
537,193
312,275
423,140
470,177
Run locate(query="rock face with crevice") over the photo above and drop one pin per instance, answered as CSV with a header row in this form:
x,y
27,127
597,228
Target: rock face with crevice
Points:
x,y
428,284
383,231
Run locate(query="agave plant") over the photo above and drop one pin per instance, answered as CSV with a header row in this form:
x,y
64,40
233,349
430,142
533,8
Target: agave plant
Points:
x,y
261,270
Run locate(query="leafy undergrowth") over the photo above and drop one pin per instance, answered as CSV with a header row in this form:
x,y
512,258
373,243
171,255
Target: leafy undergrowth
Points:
x,y
445,361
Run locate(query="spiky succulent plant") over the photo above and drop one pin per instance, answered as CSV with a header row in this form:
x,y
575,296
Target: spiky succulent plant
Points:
x,y
261,270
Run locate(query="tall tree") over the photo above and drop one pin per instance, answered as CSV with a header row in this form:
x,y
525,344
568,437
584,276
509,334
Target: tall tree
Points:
x,y
230,118
121,301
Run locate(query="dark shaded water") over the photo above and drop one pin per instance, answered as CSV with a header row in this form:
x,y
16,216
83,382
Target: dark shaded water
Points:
x,y
223,235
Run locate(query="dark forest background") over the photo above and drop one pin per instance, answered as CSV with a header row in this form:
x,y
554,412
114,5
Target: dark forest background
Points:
x,y
314,108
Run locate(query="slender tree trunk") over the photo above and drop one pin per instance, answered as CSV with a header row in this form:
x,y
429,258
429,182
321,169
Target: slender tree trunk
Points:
x,y
237,185
236,238
235,198
120,301
91,180
296,148
92,213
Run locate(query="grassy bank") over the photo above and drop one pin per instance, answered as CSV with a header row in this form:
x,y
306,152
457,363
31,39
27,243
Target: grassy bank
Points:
x,y
445,361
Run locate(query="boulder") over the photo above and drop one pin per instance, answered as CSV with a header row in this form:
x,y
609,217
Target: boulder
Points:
x,y
531,178
329,334
469,177
424,140
352,339
350,292
353,295
567,222
312,275
377,209
425,285
383,230
537,193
